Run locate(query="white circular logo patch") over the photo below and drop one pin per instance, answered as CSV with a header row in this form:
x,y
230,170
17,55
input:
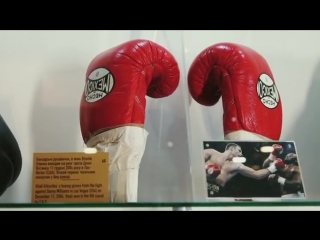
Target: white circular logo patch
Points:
x,y
99,84
267,91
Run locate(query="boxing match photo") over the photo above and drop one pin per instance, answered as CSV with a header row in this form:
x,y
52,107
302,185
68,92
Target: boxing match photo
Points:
x,y
247,170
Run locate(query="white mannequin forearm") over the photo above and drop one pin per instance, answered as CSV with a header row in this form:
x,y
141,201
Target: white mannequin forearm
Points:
x,y
244,135
124,160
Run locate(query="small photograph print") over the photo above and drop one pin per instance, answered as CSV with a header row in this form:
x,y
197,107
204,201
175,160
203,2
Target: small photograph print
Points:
x,y
252,170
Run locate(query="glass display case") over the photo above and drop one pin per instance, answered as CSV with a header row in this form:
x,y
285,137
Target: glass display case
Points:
x,y
46,74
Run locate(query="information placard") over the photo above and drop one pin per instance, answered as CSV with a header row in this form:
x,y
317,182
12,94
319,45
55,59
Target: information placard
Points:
x,y
70,178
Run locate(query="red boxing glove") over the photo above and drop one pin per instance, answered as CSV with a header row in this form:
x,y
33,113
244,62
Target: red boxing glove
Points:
x,y
118,80
276,165
213,170
277,150
251,101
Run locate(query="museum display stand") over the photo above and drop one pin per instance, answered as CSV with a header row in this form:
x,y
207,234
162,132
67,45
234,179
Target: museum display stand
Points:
x,y
218,206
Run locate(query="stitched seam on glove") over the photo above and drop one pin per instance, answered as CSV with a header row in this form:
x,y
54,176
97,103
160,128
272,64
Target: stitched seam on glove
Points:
x,y
139,104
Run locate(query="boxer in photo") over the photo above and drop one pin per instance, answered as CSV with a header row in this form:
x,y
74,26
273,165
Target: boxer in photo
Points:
x,y
289,177
112,109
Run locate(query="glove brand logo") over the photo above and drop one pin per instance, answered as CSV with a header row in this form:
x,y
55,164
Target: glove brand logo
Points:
x,y
267,91
99,84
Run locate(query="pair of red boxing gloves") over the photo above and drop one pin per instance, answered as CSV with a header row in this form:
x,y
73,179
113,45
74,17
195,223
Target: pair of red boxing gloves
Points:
x,y
119,79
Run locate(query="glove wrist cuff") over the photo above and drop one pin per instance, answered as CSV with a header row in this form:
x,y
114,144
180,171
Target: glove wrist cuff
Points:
x,y
281,180
272,169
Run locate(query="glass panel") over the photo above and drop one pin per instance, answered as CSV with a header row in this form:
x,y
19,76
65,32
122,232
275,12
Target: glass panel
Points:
x,y
288,66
